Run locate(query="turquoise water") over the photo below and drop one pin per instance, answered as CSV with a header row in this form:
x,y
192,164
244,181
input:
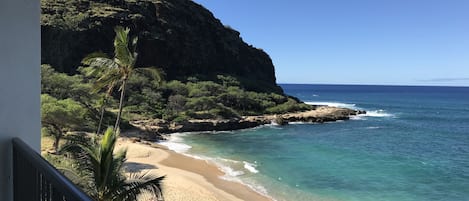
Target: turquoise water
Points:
x,y
413,145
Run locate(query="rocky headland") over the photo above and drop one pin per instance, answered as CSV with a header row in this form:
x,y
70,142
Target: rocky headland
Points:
x,y
320,114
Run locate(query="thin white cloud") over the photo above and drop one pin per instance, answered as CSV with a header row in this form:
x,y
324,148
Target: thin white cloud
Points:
x,y
446,79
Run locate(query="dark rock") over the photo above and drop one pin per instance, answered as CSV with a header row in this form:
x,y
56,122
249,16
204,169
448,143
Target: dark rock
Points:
x,y
179,36
319,115
213,125
280,121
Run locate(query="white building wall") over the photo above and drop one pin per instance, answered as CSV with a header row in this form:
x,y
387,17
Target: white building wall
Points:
x,y
19,82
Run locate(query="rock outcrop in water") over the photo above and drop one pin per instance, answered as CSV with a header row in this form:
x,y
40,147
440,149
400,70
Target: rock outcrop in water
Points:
x,y
319,115
180,36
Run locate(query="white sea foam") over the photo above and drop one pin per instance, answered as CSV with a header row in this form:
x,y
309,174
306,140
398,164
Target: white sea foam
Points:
x,y
373,113
273,123
333,104
251,167
258,188
218,132
230,172
357,117
177,147
176,144
251,184
378,113
228,160
232,169
373,127
369,113
298,122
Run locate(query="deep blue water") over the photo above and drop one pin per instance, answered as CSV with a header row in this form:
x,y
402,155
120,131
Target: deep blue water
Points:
x,y
413,145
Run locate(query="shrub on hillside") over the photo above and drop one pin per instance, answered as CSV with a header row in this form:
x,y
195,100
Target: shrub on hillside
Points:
x,y
289,106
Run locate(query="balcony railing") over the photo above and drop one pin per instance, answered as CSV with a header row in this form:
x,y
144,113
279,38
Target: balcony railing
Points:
x,y
36,179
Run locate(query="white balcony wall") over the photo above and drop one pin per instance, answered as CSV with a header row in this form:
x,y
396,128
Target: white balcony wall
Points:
x,y
20,46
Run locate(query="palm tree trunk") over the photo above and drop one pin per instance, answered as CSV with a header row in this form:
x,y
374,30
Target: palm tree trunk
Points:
x,y
56,143
57,138
102,114
121,103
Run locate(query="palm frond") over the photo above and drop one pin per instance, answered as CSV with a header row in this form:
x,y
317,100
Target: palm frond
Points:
x,y
81,168
99,61
92,56
134,45
141,184
88,71
106,156
157,74
104,69
108,80
87,158
108,85
78,177
123,55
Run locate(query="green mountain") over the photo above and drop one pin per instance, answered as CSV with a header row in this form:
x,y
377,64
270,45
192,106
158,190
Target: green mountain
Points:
x,y
179,36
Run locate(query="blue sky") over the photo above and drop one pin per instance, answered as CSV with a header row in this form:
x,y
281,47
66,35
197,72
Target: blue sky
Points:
x,y
398,42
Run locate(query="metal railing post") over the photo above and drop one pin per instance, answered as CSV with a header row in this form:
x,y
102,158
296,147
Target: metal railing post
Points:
x,y
36,179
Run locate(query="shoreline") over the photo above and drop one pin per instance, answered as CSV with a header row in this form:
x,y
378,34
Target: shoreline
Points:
x,y
187,178
190,178
321,114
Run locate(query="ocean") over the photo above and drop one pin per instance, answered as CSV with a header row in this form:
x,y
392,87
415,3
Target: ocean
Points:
x,y
412,145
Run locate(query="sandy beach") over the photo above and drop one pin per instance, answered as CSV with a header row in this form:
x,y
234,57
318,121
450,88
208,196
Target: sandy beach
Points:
x,y
187,179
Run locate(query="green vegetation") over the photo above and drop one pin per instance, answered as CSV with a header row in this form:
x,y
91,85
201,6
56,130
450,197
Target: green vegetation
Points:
x,y
78,90
98,93
98,169
60,116
147,98
222,100
105,84
117,71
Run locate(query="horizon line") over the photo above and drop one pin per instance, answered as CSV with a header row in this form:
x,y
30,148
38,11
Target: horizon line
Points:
x,y
397,85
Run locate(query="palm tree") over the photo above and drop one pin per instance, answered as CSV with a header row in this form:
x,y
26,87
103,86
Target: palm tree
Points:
x,y
117,71
98,169
98,69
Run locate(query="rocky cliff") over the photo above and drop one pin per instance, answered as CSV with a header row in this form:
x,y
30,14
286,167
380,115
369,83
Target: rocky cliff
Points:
x,y
179,36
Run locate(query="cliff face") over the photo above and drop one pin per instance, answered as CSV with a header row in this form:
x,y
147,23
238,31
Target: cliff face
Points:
x,y
179,36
